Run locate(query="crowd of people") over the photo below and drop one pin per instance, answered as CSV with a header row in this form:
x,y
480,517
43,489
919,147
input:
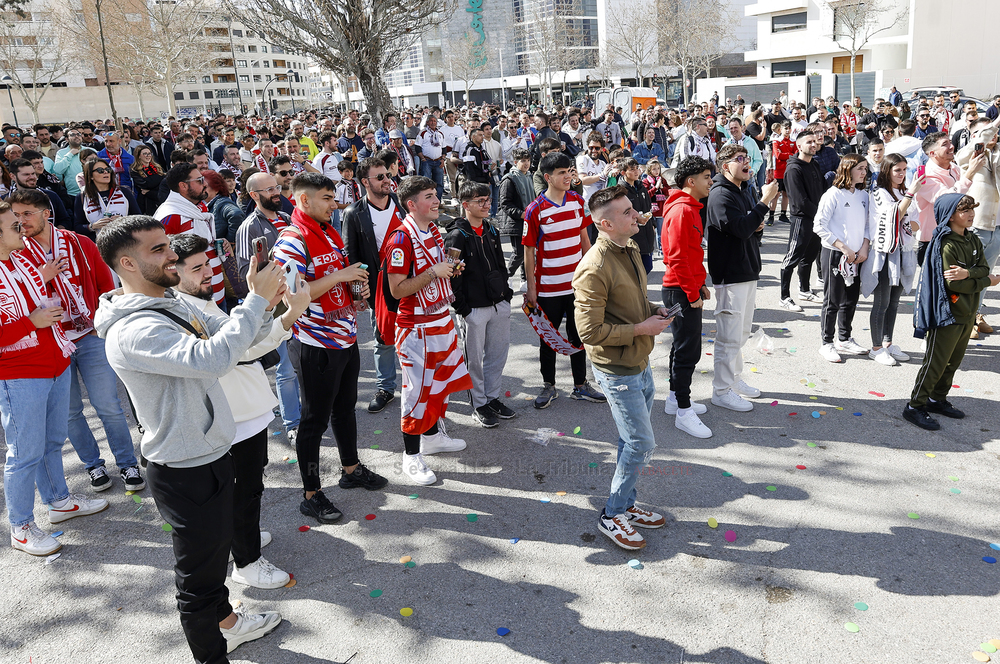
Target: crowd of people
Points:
x,y
187,259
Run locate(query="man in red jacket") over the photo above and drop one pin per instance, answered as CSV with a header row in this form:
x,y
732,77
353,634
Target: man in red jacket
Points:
x,y
80,279
684,284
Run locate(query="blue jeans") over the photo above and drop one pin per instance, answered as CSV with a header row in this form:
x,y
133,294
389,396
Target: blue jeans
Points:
x,y
494,198
90,363
631,401
288,389
991,249
435,171
33,412
385,364
336,222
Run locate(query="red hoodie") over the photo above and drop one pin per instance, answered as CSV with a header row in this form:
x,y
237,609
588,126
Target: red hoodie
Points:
x,y
683,257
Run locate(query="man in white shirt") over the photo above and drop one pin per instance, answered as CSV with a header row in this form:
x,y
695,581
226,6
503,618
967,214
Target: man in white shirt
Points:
x,y
453,136
591,166
798,122
431,144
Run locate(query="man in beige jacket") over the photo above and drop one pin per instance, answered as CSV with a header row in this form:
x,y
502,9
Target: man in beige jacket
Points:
x,y
617,324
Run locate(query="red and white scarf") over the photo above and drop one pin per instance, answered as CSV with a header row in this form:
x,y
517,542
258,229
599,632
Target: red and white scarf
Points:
x,y
849,121
116,161
13,305
80,316
325,250
116,205
260,162
198,220
436,296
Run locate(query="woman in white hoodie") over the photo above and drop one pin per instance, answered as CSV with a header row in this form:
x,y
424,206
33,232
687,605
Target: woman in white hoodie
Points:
x,y
892,263
841,223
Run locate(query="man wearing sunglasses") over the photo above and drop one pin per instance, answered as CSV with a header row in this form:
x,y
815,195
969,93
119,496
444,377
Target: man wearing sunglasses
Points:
x,y
925,123
11,135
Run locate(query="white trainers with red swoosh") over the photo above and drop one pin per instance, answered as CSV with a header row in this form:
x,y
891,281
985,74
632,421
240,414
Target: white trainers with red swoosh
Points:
x,y
32,539
76,505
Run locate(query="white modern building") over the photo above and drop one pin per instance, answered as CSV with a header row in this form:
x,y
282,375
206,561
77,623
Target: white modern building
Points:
x,y
797,52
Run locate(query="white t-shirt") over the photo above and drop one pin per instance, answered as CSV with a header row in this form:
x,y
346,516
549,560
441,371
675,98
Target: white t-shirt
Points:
x,y
327,165
586,166
842,215
381,220
452,135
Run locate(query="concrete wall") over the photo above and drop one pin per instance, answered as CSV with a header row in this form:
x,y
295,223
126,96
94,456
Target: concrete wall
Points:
x,y
60,105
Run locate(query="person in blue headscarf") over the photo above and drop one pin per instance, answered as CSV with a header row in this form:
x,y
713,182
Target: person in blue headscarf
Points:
x,y
955,272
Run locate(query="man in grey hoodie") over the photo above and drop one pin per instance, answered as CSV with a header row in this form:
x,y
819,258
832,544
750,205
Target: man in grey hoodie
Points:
x,y
170,358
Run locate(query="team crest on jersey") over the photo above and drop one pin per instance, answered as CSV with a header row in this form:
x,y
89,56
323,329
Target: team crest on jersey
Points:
x,y
397,258
432,291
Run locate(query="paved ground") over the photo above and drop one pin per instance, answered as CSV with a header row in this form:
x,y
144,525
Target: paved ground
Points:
x,y
825,538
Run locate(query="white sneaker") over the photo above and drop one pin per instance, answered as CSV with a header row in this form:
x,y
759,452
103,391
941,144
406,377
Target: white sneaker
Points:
x,y
732,401
829,353
265,539
690,423
440,442
897,353
789,305
261,574
32,539
810,297
883,357
743,389
850,347
416,469
248,627
76,505
670,406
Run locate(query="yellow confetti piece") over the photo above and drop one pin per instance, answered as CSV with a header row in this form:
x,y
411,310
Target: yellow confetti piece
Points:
x,y
813,398
405,559
930,455
712,523
840,408
822,412
753,369
560,493
407,612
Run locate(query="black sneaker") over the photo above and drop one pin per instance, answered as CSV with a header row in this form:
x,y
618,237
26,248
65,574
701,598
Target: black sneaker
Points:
x,y
501,410
380,401
362,477
320,508
99,480
944,408
486,417
783,217
132,479
770,219
920,417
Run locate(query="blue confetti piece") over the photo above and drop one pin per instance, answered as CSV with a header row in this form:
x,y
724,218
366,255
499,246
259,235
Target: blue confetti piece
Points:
x,y
59,532
995,547
276,433
503,631
544,500
515,540
989,559
857,414
816,414
969,390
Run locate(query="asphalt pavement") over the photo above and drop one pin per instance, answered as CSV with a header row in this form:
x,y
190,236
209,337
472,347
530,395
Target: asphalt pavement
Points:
x,y
821,485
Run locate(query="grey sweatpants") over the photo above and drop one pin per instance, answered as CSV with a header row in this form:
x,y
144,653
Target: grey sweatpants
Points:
x,y
486,340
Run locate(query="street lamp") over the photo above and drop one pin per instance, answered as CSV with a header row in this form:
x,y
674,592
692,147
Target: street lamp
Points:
x,y
503,94
232,53
8,80
289,73
263,93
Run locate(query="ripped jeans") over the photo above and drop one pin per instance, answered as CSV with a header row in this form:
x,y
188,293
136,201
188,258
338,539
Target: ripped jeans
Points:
x,y
631,401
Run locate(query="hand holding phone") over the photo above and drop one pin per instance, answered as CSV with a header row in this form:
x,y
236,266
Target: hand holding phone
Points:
x,y
291,277
260,251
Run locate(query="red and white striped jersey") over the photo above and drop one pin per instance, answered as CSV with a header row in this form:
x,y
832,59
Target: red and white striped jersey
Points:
x,y
554,231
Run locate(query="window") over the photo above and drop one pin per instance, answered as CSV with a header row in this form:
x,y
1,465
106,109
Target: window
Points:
x,y
178,96
276,49
206,79
263,49
256,78
240,48
244,78
267,64
252,49
193,95
790,68
788,22
208,94
237,33
192,79
241,63
248,93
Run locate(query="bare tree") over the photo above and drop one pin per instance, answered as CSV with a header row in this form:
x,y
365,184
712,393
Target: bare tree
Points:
x,y
606,68
362,38
633,38
694,35
469,60
856,23
35,61
544,39
569,55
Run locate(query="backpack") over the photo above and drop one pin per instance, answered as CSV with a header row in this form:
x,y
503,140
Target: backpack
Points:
x,y
386,306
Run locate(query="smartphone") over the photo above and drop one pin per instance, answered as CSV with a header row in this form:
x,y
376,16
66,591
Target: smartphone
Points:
x,y
291,277
674,310
920,171
260,251
979,147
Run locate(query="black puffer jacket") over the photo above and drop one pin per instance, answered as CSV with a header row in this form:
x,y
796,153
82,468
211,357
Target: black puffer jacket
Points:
x,y
642,203
481,254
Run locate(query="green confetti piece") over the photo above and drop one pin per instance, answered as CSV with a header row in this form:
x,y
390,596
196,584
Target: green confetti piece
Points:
x,y
987,647
810,384
913,515
167,527
472,518
726,473
378,431
860,606
851,627
810,444
592,465
374,447
375,593
792,349
771,488
291,461
136,499
956,491
411,564
952,478
814,398
414,496
576,430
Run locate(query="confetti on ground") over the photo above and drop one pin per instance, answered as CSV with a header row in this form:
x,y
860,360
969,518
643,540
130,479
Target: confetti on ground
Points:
x,y
969,390
52,558
995,643
712,523
860,606
804,380
527,398
987,647
405,559
136,499
792,349
774,403
840,408
989,559
292,460
166,527
929,454
560,493
771,487
507,394
810,384
800,467
410,564
810,444
129,493
635,564
375,593
502,631
726,473
284,458
374,447
730,535
980,656
576,430
59,532
956,491
877,394
851,627
370,517
303,529
543,500
956,387
406,613
857,414
472,518
378,431
753,369
995,547
792,414
291,583
592,465
515,540
560,433
276,433
913,515
815,414
814,398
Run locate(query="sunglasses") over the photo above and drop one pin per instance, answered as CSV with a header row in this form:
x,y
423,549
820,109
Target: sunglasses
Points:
x,y
200,180
285,174
379,177
101,169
